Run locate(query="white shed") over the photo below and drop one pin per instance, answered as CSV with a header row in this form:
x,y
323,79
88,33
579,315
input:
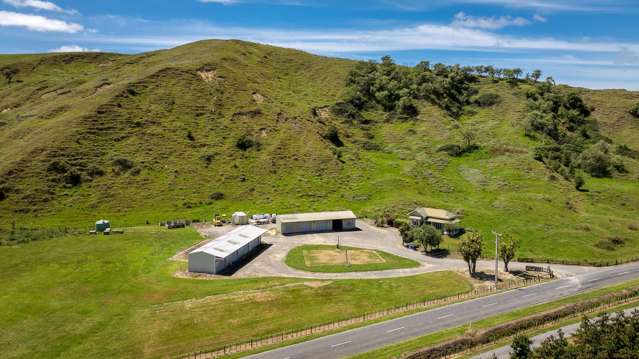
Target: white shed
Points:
x,y
239,218
226,250
316,222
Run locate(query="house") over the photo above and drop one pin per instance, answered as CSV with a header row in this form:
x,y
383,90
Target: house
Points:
x,y
316,222
438,218
226,251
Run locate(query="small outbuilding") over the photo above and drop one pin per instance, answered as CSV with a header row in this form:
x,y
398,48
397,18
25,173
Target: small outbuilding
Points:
x,y
102,225
225,251
438,218
239,218
316,222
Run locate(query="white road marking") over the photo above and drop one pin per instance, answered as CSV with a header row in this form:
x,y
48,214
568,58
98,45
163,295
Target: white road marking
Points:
x,y
395,330
563,286
490,304
445,316
340,344
626,272
528,295
591,281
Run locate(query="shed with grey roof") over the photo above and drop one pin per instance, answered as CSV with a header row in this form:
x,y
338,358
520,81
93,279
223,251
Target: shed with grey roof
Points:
x,y
316,222
226,250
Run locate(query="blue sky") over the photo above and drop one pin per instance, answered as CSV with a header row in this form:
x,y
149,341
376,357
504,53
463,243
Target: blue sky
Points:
x,y
590,43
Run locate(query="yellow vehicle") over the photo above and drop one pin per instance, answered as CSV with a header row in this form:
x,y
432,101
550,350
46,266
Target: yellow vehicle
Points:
x,y
217,221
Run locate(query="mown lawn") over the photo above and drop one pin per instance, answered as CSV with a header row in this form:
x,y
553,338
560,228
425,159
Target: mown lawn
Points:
x,y
302,258
82,296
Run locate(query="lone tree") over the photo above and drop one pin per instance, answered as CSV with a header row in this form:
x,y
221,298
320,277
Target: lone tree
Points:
x,y
425,235
520,347
470,248
507,249
536,75
469,139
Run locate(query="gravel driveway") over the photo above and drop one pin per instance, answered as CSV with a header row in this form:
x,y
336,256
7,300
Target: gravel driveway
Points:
x,y
270,263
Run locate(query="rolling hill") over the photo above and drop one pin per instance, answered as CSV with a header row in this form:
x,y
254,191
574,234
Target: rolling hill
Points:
x,y
216,126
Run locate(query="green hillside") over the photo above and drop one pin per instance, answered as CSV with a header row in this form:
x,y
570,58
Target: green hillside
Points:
x,y
216,126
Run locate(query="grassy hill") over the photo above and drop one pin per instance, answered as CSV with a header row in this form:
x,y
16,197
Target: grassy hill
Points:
x,y
216,126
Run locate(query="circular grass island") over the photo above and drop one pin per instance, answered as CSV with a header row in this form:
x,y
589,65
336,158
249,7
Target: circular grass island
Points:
x,y
330,259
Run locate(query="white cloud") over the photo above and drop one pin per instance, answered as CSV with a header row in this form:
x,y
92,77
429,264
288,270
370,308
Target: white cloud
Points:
x,y
488,23
420,37
37,23
627,56
539,18
38,5
73,48
555,5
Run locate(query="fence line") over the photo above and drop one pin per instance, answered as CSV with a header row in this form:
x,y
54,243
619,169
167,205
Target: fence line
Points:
x,y
319,328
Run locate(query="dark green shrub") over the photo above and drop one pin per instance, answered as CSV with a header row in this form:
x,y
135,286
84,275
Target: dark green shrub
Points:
x,y
597,160
487,99
406,107
451,149
246,142
579,182
217,196
95,171
626,151
58,166
123,164
73,178
634,111
332,135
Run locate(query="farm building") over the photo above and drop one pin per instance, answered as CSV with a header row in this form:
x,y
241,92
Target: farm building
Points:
x,y
316,222
438,218
225,251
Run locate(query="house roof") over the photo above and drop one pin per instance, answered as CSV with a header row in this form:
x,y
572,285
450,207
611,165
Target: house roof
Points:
x,y
230,242
436,213
316,216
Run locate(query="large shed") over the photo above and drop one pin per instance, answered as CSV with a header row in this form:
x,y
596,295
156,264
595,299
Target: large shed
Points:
x,y
226,250
316,222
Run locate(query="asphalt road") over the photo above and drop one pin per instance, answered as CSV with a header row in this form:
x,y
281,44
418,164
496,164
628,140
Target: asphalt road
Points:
x,y
397,330
568,330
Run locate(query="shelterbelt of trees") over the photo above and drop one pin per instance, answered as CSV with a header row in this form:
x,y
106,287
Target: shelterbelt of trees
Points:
x,y
605,337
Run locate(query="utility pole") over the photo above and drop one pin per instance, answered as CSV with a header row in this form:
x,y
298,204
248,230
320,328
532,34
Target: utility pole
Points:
x,y
496,259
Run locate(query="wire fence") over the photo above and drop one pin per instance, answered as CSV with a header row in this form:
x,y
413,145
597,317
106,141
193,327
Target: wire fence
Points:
x,y
338,324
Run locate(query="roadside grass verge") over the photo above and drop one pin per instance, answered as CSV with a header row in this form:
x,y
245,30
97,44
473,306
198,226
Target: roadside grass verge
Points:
x,y
84,296
397,350
330,259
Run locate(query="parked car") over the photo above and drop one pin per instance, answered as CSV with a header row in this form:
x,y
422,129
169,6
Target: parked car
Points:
x,y
412,246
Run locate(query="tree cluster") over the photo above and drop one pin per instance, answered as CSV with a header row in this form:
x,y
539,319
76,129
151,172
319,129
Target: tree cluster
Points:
x,y
605,337
572,140
396,88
